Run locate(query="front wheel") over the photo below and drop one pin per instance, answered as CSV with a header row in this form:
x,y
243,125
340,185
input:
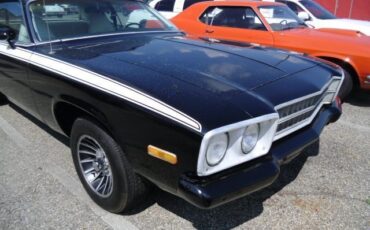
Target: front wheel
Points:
x,y
103,168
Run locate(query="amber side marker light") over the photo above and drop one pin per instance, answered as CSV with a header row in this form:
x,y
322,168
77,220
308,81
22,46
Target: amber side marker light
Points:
x,y
162,154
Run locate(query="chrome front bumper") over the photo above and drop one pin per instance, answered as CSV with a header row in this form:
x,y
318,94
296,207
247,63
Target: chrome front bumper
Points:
x,y
367,80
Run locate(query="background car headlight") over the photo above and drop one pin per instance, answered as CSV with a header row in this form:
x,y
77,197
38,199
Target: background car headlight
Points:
x,y
217,149
250,138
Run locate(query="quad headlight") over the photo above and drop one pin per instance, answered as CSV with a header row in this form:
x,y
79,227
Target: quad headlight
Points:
x,y
250,138
235,144
216,149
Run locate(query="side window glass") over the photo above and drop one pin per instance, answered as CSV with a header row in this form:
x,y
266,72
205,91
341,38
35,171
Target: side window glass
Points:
x,y
235,17
208,15
165,5
53,21
253,21
294,7
11,16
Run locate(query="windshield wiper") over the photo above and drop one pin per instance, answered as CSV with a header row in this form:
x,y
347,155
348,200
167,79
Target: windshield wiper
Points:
x,y
299,26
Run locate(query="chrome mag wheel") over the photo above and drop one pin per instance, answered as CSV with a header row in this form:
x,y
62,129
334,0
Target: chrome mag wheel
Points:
x,y
95,166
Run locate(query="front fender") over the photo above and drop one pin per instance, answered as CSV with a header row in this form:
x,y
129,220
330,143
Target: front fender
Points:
x,y
345,59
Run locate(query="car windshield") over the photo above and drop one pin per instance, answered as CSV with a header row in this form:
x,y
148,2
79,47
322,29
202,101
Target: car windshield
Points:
x,y
61,19
317,10
281,17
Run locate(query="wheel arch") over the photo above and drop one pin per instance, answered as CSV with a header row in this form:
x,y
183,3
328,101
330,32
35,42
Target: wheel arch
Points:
x,y
66,112
345,63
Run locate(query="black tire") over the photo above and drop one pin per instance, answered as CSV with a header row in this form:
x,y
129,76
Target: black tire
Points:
x,y
347,86
3,99
128,188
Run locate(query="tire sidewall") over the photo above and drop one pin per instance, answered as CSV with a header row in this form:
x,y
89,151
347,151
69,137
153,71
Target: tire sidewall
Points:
x,y
346,87
117,200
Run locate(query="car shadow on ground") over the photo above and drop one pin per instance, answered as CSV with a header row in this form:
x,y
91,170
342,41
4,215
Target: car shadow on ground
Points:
x,y
361,98
236,212
61,138
226,216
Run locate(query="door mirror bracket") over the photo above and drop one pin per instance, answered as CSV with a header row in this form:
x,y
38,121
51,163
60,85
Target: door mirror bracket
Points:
x,y
8,35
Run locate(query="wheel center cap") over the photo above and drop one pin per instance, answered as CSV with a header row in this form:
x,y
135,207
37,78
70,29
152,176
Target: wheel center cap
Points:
x,y
97,166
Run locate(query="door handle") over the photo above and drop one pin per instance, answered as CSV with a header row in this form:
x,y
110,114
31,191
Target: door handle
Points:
x,y
209,31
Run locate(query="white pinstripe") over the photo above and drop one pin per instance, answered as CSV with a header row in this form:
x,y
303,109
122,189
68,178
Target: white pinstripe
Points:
x,y
102,83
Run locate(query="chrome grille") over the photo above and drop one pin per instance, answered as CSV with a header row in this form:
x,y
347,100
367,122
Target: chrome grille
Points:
x,y
296,120
299,106
300,112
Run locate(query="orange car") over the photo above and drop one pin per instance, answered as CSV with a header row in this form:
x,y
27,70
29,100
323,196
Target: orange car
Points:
x,y
274,24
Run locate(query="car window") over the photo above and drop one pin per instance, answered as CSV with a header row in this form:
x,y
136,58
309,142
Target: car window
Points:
x,y
79,18
188,3
235,17
165,5
11,15
281,17
317,10
294,7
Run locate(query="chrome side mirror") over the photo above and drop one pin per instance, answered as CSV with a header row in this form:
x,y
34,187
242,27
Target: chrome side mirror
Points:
x,y
304,16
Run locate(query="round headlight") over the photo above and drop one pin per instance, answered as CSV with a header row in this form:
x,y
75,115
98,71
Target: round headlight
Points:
x,y
217,149
250,138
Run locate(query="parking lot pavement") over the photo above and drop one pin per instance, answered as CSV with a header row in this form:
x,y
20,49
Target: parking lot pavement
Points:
x,y
326,187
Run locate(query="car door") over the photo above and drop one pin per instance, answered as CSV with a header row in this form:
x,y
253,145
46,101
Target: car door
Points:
x,y
14,81
235,23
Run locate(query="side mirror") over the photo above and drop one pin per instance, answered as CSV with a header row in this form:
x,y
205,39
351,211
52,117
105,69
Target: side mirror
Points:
x,y
304,16
8,34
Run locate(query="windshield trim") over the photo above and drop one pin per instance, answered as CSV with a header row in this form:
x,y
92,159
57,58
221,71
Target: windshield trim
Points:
x,y
35,41
104,35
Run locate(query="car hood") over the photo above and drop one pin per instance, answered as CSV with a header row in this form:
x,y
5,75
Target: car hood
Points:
x,y
328,40
193,61
348,24
203,80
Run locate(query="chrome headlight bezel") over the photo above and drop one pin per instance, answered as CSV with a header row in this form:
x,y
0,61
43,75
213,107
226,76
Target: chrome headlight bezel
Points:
x,y
234,154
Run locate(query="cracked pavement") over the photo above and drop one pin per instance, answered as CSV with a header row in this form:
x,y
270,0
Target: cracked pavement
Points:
x,y
326,187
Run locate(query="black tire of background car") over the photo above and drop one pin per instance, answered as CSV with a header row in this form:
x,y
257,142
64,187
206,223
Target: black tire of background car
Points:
x,y
347,86
129,189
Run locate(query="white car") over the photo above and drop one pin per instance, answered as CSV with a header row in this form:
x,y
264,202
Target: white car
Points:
x,y
318,17
170,8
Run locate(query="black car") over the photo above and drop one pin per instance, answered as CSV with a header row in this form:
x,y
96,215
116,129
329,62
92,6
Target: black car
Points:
x,y
143,104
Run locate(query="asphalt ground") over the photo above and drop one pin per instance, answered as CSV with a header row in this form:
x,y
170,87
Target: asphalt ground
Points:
x,y
326,187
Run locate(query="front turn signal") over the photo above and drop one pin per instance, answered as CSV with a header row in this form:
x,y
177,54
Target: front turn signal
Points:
x,y
162,154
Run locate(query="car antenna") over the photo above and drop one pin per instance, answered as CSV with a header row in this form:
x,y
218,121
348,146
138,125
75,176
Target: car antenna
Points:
x,y
48,28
